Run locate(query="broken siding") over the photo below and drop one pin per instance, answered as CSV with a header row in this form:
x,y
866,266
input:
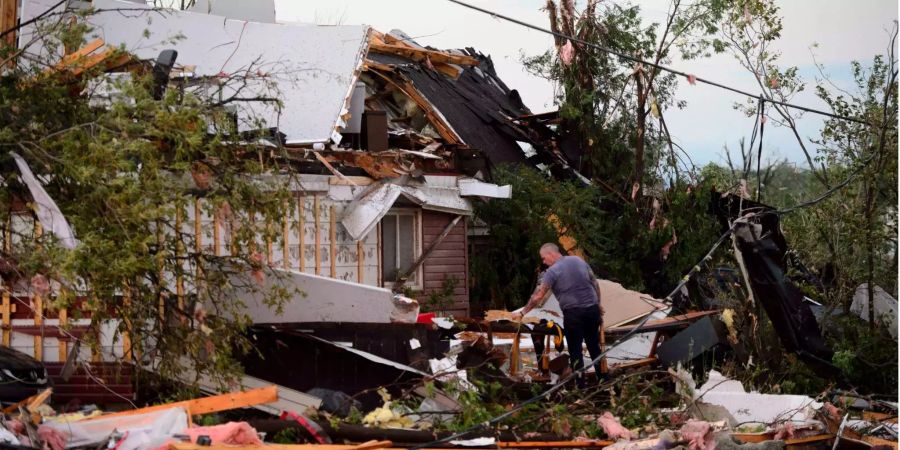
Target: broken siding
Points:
x,y
449,259
318,254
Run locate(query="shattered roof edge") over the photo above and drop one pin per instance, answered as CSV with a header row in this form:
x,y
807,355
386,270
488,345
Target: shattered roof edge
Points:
x,y
357,71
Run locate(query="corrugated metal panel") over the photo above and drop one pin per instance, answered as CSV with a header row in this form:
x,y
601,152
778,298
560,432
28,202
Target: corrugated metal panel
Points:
x,y
315,68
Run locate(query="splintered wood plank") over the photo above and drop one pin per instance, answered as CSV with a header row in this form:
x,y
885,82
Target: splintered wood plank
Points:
x,y
63,345
6,314
419,54
198,227
318,250
38,304
372,445
369,64
332,240
127,349
31,402
38,321
302,230
207,405
285,237
360,261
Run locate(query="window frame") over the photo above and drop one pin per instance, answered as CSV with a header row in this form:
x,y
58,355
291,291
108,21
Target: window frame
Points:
x,y
416,213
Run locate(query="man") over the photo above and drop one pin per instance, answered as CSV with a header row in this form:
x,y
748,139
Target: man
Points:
x,y
575,287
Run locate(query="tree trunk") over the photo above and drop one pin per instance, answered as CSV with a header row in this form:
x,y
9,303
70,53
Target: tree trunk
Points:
x,y
870,256
639,141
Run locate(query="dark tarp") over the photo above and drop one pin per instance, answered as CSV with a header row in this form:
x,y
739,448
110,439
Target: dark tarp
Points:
x,y
763,250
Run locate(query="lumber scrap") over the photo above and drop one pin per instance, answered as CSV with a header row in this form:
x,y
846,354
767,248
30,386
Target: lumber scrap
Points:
x,y
419,54
755,438
372,445
369,64
92,54
206,405
31,402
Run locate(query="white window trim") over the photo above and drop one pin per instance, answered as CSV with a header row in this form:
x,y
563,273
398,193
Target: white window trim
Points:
x,y
417,249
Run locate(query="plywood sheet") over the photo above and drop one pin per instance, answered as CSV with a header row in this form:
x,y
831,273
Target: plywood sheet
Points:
x,y
620,305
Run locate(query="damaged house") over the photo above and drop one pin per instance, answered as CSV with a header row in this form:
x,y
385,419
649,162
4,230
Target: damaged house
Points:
x,y
394,142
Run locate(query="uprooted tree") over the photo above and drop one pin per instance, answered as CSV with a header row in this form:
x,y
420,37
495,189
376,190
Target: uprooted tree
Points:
x,y
127,165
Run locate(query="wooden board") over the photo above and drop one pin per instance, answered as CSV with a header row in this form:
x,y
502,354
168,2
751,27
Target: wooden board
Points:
x,y
212,404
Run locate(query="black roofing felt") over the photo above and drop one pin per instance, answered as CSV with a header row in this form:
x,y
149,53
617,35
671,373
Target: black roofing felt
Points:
x,y
478,105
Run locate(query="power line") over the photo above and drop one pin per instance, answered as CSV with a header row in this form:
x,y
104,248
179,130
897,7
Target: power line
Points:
x,y
659,66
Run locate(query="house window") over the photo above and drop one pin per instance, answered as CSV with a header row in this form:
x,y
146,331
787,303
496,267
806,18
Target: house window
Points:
x,y
401,244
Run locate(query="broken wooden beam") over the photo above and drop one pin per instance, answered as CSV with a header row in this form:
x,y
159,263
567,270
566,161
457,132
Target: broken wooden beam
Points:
x,y
421,54
31,402
206,405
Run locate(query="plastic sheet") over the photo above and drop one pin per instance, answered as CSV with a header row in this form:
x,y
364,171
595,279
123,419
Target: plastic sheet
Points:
x,y
140,431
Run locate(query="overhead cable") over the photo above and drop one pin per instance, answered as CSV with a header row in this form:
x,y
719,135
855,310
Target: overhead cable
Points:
x,y
691,77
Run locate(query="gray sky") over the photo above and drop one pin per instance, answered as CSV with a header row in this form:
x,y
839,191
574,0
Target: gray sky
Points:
x,y
844,31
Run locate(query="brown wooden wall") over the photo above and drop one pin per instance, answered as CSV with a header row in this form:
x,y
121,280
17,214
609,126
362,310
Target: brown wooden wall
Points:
x,y
449,259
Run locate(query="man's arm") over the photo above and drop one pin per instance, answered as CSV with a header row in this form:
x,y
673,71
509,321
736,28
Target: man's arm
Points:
x,y
537,298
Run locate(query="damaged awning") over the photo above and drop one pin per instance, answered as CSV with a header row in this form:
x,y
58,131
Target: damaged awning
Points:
x,y
438,193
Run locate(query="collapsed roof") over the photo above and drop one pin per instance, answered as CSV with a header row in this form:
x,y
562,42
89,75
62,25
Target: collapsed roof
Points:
x,y
311,69
477,106
446,111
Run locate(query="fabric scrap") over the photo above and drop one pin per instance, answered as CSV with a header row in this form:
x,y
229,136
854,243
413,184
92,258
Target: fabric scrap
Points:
x,y
699,435
231,433
613,428
52,438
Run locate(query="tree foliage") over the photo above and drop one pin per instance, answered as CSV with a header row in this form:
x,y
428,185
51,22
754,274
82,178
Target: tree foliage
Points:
x,y
842,226
127,170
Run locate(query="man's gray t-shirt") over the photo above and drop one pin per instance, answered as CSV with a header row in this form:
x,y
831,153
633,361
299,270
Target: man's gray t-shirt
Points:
x,y
572,283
